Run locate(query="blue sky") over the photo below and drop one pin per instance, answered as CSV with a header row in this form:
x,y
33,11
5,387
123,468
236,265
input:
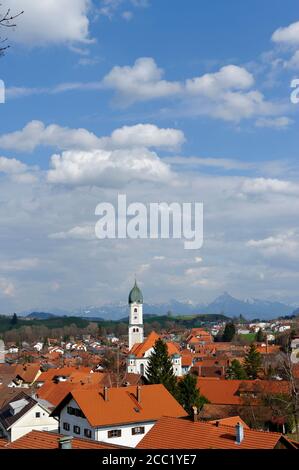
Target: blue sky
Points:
x,y
112,76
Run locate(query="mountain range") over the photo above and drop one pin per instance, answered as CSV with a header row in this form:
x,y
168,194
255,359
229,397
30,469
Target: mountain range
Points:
x,y
225,304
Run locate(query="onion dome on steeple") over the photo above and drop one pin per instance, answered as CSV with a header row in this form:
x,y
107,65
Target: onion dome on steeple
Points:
x,y
135,295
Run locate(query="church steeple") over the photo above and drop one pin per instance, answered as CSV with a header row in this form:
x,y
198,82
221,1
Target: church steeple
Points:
x,y
136,316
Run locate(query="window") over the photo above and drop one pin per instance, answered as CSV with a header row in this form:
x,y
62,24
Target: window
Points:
x,y
79,413
138,430
114,433
75,411
66,426
37,415
76,429
87,433
135,310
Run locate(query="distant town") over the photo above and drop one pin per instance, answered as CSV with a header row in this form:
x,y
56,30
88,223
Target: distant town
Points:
x,y
206,381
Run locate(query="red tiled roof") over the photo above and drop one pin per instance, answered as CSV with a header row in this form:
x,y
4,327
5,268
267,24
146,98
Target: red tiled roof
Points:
x,y
63,371
50,440
139,349
27,372
3,443
231,421
175,433
122,405
222,392
231,392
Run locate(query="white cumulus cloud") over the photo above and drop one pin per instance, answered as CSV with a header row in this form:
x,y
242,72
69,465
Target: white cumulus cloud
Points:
x,y
107,168
141,82
50,21
288,35
35,134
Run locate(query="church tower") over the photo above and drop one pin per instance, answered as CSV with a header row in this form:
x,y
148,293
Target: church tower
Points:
x,y
135,316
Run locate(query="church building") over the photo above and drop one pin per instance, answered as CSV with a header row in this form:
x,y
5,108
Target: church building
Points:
x,y
141,348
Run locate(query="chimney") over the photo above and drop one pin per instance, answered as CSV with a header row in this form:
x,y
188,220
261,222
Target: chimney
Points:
x,y
195,414
217,424
239,433
65,442
106,393
138,393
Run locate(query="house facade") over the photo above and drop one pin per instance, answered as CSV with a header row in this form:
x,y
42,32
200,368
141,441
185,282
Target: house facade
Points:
x,y
120,416
23,414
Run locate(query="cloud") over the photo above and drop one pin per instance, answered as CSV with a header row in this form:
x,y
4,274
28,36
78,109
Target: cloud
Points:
x,y
85,232
110,8
141,82
286,243
11,166
229,77
225,94
50,21
147,135
268,185
293,62
288,35
35,134
18,171
282,122
107,168
7,288
223,163
23,264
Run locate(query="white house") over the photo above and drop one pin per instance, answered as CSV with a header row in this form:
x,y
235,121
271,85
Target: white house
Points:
x,y
116,415
24,414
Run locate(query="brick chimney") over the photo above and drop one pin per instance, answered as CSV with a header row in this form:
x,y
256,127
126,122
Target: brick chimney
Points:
x,y
239,433
65,442
106,398
138,393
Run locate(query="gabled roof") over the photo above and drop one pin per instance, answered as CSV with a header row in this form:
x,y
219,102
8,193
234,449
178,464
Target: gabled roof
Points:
x,y
139,349
175,433
27,372
122,405
8,394
231,421
50,440
7,419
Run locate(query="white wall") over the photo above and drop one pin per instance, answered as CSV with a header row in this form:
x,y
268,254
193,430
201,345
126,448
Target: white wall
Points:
x,y
127,439
74,421
134,366
29,422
